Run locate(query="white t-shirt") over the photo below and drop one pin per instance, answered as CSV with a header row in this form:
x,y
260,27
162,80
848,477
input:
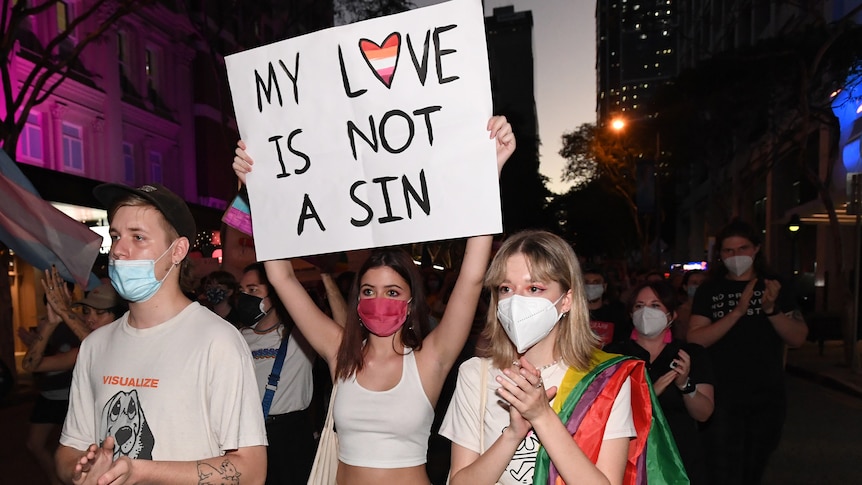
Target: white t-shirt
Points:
x,y
461,423
295,385
182,390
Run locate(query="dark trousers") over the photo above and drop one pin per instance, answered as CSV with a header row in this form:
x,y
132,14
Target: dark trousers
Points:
x,y
291,448
739,442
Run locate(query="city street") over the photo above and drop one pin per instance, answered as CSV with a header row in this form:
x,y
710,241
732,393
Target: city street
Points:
x,y
821,441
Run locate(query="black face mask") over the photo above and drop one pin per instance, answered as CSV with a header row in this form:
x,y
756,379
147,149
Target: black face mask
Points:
x,y
248,309
216,295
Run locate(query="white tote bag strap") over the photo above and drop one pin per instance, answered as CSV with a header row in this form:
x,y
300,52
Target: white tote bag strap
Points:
x,y
483,402
330,420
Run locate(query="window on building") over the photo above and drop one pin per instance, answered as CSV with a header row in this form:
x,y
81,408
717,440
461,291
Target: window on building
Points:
x,y
65,16
123,61
73,148
30,143
156,167
129,163
151,68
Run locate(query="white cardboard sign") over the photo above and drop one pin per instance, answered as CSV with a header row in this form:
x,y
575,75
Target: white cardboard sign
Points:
x,y
370,134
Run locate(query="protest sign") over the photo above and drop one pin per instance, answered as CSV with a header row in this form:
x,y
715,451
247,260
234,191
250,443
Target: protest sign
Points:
x,y
370,134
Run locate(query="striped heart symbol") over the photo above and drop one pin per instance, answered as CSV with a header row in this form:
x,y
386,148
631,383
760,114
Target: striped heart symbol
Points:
x,y
382,58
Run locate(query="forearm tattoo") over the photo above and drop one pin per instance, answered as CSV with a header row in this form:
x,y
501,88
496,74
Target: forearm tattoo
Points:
x,y
225,474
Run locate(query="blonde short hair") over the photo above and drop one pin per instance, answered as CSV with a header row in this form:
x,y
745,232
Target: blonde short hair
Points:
x,y
550,258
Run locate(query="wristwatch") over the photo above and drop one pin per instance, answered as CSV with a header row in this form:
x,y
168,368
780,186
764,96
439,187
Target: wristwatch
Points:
x,y
688,388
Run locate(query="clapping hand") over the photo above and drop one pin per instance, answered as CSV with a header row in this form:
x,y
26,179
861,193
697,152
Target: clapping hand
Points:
x,y
770,295
94,463
56,292
525,392
745,298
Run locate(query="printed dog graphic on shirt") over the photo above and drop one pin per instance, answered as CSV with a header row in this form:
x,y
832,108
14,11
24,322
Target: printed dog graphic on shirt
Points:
x,y
124,419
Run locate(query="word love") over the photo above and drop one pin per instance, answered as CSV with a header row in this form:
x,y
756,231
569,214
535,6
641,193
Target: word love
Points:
x,y
382,59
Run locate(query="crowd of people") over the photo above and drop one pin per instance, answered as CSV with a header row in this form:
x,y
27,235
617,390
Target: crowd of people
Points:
x,y
536,367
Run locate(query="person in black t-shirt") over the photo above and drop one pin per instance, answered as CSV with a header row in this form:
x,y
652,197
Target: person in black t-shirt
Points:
x,y
744,316
681,372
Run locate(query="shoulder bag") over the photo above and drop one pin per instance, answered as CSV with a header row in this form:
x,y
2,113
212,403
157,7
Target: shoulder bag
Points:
x,y
325,465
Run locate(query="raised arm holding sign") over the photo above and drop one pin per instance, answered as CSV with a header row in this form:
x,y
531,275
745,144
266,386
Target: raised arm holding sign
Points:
x,y
373,135
369,134
386,346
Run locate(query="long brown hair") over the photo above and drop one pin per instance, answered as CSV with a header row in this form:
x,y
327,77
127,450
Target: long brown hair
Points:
x,y
350,354
550,258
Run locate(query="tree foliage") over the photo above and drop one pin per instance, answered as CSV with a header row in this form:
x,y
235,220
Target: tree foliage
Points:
x,y
347,11
603,163
596,221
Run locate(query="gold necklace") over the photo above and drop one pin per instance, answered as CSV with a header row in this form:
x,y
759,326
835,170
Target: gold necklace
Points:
x,y
540,369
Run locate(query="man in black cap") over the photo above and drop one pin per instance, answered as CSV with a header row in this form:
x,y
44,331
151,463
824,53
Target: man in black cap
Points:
x,y
167,393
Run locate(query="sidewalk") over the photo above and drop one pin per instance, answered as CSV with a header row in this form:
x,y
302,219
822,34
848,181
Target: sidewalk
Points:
x,y
828,369
18,464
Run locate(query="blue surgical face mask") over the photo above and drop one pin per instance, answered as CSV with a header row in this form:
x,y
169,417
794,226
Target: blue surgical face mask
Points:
x,y
135,279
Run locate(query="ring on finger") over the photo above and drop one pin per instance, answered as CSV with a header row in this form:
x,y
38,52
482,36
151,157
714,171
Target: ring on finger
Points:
x,y
539,384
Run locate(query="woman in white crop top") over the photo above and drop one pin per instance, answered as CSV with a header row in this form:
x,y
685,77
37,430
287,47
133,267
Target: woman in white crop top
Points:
x,y
369,355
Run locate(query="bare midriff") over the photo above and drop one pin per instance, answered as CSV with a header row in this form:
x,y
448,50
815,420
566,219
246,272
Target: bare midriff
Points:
x,y
360,475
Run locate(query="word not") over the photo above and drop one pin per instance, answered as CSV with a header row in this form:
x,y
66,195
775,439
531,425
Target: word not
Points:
x,y
375,129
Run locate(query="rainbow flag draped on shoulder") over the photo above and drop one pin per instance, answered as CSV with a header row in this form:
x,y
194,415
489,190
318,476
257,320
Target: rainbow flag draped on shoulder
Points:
x,y
584,401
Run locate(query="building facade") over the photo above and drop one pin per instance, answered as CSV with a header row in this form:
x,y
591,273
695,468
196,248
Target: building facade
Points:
x,y
510,59
765,181
147,101
636,52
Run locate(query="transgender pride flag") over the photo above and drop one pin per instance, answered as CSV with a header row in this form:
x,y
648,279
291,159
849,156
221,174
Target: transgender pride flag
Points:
x,y
41,234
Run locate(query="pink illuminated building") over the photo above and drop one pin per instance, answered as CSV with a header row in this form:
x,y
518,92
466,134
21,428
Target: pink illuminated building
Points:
x,y
146,102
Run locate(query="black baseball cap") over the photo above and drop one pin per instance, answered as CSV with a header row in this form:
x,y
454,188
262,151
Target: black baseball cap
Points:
x,y
172,206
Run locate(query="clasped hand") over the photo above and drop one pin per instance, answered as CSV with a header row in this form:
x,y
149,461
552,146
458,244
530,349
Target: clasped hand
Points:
x,y
525,393
96,466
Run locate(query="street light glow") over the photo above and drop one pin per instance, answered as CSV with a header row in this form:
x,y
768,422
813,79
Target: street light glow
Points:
x,y
794,224
618,124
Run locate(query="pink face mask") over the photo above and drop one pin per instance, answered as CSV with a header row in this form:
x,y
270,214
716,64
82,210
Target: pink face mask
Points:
x,y
382,316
